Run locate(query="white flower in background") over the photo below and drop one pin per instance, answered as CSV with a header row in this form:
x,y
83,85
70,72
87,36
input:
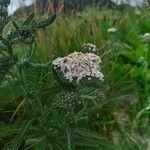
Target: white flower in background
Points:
x,y
137,12
78,65
145,38
112,30
146,35
89,47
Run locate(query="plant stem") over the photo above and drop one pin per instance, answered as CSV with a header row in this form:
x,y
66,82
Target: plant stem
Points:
x,y
70,130
69,137
24,84
138,116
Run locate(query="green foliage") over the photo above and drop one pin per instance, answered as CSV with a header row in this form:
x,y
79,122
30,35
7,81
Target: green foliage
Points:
x,y
41,110
3,14
44,23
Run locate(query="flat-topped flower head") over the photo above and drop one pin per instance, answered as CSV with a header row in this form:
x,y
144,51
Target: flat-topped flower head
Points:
x,y
145,38
112,30
78,65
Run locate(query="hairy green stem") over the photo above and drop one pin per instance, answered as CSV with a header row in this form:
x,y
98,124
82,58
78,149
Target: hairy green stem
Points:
x,y
70,124
70,137
24,84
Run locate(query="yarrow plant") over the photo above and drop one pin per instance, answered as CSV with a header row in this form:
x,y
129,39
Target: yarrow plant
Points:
x,y
78,65
75,67
59,104
50,131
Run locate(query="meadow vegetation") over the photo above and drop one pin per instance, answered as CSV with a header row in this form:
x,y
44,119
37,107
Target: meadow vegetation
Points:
x,y
41,110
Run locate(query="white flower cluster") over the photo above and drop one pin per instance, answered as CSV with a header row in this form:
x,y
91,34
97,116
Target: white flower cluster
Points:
x,y
78,65
145,38
90,47
112,30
